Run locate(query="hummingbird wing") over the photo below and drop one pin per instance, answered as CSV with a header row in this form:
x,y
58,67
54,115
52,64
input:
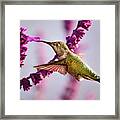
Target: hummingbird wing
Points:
x,y
56,66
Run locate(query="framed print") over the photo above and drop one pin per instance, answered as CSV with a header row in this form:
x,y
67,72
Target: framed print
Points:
x,y
60,59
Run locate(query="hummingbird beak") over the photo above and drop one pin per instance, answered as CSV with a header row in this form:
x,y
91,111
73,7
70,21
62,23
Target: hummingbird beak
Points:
x,y
49,43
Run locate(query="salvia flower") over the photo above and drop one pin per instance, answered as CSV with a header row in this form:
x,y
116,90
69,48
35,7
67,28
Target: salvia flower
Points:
x,y
24,39
84,24
25,83
36,78
77,35
23,49
45,73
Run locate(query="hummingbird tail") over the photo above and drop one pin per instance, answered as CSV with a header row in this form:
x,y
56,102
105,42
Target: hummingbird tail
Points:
x,y
90,77
98,79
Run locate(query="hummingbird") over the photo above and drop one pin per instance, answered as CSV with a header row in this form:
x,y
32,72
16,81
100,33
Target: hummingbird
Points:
x,y
68,62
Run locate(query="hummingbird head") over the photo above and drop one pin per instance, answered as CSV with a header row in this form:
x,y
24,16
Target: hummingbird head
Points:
x,y
59,47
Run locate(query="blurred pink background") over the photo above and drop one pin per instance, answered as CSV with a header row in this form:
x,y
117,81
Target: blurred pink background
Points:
x,y
54,86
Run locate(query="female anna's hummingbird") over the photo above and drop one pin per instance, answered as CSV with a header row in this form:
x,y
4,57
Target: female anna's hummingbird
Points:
x,y
68,62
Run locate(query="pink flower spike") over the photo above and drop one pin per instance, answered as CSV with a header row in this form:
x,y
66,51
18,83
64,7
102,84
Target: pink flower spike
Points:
x,y
24,39
77,35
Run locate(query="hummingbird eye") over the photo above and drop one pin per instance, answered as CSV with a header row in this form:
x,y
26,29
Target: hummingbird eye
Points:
x,y
58,44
